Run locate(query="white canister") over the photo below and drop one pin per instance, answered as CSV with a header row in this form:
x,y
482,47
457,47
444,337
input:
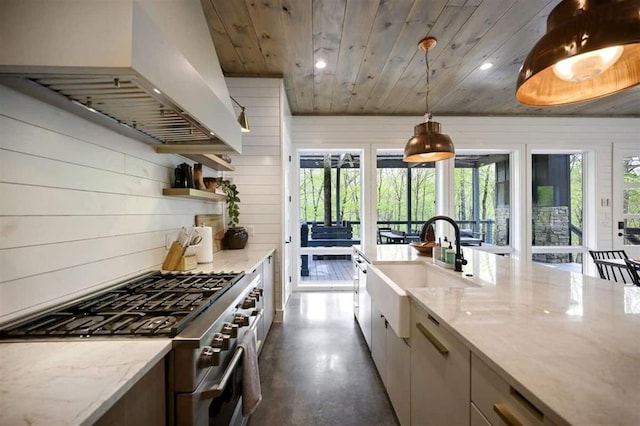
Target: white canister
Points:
x,y
205,254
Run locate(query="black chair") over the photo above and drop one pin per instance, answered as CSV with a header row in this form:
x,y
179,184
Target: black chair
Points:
x,y
379,236
608,254
634,270
610,270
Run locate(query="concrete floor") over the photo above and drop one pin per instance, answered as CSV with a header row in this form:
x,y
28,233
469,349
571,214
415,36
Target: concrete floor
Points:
x,y
315,369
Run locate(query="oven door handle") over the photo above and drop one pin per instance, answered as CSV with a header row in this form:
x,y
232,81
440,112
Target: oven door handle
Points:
x,y
217,389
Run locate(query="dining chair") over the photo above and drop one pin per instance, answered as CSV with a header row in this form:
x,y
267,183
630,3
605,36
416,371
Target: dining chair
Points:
x,y
608,254
634,270
380,240
611,265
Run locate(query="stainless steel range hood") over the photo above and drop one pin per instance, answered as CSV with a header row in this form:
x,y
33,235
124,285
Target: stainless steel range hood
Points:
x,y
145,68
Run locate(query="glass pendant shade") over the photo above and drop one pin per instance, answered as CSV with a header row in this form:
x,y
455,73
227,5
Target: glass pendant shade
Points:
x,y
591,49
428,144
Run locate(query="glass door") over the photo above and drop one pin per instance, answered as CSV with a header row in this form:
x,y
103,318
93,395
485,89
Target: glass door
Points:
x,y
557,222
626,200
329,211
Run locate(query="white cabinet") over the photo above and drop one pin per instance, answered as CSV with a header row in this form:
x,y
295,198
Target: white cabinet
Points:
x,y
398,373
498,401
356,298
392,357
440,373
363,312
379,342
268,272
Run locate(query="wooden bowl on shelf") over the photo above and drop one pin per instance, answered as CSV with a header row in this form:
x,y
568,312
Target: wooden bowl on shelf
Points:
x,y
424,248
210,183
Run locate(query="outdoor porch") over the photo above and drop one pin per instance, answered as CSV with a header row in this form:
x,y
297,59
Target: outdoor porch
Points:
x,y
331,270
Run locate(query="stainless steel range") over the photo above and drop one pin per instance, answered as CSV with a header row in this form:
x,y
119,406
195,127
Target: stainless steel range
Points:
x,y
204,314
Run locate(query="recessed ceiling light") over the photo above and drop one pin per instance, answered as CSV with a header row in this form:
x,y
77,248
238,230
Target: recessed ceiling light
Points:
x,y
157,91
486,66
321,64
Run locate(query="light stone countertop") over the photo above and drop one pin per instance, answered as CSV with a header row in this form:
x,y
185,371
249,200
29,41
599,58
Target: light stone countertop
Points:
x,y
245,260
71,382
569,341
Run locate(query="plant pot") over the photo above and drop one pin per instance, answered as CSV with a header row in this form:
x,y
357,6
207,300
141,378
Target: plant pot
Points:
x,y
235,238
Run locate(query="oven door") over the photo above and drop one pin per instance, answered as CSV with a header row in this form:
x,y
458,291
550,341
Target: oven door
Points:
x,y
218,398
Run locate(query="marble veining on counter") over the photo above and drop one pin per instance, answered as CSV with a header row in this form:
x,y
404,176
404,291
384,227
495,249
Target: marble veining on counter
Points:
x,y
569,341
71,382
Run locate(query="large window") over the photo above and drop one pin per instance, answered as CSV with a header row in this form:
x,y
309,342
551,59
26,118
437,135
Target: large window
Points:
x,y
406,193
330,189
631,200
481,198
557,210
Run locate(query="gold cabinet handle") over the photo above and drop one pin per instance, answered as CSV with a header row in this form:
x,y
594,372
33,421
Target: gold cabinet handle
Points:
x,y
433,339
507,416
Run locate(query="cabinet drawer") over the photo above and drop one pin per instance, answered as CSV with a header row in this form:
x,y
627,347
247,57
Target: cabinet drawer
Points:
x,y
440,373
498,401
477,419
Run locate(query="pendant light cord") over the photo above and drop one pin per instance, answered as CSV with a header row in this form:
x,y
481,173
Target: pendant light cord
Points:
x,y
426,60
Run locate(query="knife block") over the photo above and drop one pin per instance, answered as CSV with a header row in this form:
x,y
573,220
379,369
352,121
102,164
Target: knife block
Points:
x,y
174,257
187,263
177,261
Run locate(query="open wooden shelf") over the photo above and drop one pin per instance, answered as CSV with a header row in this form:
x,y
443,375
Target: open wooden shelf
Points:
x,y
200,153
193,193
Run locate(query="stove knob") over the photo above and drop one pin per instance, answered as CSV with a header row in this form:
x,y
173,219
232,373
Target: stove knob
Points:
x,y
230,329
241,320
221,341
256,294
249,302
210,357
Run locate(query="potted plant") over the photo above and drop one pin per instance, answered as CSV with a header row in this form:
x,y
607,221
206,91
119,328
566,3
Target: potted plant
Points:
x,y
235,237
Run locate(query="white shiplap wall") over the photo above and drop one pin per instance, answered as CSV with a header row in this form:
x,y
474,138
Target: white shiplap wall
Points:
x,y
520,133
81,206
258,171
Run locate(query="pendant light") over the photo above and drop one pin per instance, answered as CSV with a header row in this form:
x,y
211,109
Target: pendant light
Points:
x,y
591,49
428,144
242,118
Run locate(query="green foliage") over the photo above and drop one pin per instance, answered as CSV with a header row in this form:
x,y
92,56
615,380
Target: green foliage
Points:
x,y
233,210
577,202
631,193
463,193
312,194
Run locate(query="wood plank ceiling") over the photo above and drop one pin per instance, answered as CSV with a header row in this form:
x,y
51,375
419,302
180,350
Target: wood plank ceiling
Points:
x,y
373,63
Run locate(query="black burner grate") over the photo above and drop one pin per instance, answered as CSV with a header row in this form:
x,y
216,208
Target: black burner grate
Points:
x,y
152,305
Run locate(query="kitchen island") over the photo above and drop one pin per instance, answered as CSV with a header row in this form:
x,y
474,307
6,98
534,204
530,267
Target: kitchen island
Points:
x,y
565,342
79,381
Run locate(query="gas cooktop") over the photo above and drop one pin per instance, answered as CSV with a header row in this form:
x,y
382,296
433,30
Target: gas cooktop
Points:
x,y
153,304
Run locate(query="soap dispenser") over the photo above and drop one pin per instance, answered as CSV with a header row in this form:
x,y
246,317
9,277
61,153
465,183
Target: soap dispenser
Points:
x,y
443,251
451,254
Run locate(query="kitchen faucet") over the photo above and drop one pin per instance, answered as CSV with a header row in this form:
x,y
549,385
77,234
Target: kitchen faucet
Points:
x,y
459,259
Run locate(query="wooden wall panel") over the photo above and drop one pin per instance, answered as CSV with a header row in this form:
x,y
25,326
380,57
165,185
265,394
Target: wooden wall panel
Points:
x,y
81,206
